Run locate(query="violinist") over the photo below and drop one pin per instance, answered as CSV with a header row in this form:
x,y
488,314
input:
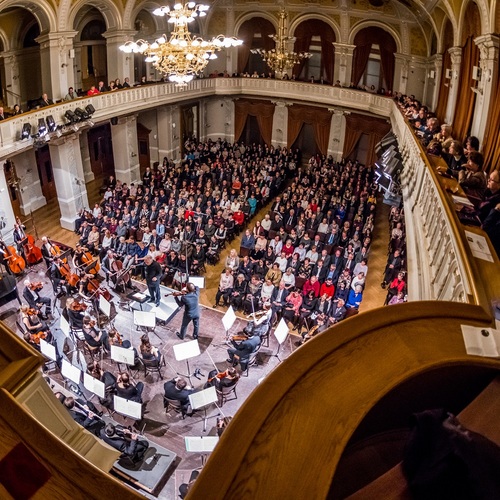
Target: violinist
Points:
x,y
127,390
93,336
56,276
33,325
227,378
76,313
148,351
33,298
260,326
109,381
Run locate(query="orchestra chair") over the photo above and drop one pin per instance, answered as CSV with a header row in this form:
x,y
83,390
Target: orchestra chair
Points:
x,y
252,360
152,366
95,353
265,336
244,252
224,392
173,404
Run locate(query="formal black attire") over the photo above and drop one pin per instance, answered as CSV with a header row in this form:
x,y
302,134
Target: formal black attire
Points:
x,y
190,301
244,350
153,270
171,392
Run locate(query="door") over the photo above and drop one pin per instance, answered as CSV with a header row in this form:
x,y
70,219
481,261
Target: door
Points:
x,y
143,147
44,166
101,150
10,177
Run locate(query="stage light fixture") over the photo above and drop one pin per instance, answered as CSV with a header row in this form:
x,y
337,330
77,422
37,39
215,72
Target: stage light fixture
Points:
x,y
90,109
71,117
51,124
26,131
82,114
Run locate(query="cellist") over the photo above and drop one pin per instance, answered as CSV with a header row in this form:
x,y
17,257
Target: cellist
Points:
x,y
19,236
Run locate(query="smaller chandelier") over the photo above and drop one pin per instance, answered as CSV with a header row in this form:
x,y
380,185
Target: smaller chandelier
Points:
x,y
181,56
280,59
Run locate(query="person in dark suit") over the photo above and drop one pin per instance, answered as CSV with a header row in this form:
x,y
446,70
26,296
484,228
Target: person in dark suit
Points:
x,y
240,353
189,299
83,413
125,389
177,389
337,312
125,441
153,274
35,301
45,101
278,300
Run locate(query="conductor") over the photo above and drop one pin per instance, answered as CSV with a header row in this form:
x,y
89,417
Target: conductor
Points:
x,y
189,298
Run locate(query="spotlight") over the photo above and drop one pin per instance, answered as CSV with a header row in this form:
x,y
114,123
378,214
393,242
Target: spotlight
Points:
x,y
51,124
90,109
42,128
82,114
71,117
26,132
90,123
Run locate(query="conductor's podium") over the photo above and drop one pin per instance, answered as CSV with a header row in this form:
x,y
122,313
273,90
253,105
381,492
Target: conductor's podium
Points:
x,y
293,430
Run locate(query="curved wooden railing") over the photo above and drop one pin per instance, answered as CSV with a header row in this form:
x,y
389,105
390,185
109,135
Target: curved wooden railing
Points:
x,y
287,438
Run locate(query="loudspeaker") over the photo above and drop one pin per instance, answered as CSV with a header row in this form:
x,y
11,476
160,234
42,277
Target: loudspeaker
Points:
x,y
114,120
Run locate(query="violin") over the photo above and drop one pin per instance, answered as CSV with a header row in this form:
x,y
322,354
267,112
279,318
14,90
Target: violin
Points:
x,y
35,286
310,333
35,337
78,306
115,337
239,337
15,262
219,376
32,312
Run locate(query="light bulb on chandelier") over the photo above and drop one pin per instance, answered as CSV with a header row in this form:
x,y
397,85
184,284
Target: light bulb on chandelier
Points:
x,y
181,57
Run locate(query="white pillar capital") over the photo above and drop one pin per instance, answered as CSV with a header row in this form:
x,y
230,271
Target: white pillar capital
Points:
x,y
120,64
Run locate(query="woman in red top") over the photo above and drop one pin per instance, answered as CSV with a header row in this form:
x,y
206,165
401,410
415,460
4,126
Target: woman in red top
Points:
x,y
288,248
397,285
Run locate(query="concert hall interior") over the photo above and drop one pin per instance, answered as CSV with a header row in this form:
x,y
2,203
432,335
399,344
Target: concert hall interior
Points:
x,y
249,249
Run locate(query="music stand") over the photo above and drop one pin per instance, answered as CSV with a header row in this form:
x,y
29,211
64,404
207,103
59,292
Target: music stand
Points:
x,y
144,319
186,351
71,372
280,333
91,266
201,444
198,281
201,399
122,355
48,350
127,408
94,385
105,306
227,322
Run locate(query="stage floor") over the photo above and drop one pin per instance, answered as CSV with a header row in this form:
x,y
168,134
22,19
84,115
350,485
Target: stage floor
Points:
x,y
169,430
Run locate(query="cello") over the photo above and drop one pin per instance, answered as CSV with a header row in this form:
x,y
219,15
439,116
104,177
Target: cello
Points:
x,y
32,253
15,262
87,259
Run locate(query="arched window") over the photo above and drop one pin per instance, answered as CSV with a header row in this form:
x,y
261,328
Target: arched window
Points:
x,y
373,58
316,37
255,35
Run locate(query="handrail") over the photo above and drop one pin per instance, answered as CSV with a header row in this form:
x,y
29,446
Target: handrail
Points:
x,y
302,415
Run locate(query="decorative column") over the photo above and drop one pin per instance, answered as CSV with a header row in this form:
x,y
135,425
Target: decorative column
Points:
x,y
280,124
456,59
7,216
343,63
230,53
167,128
229,119
68,177
88,175
125,149
12,82
401,72
489,47
337,133
433,80
120,64
30,189
57,65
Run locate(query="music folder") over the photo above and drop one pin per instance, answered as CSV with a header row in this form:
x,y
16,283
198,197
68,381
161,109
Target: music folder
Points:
x,y
200,444
203,398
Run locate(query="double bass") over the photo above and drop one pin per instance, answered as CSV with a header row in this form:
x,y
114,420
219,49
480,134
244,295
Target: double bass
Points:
x,y
15,262
32,253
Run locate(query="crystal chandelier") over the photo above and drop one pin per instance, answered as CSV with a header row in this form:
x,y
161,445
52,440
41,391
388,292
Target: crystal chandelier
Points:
x,y
280,59
181,56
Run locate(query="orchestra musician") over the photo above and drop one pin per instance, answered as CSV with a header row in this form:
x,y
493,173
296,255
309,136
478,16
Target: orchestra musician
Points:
x,y
33,298
109,381
189,298
93,336
3,261
227,378
321,325
76,313
127,390
83,413
107,264
34,326
48,251
19,236
148,351
241,352
178,390
125,441
56,276
260,326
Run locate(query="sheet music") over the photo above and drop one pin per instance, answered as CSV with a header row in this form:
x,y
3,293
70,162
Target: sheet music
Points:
x,y
93,385
200,444
138,296
281,331
64,325
48,350
481,341
479,246
203,398
122,355
71,372
104,306
143,318
128,408
228,319
186,350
